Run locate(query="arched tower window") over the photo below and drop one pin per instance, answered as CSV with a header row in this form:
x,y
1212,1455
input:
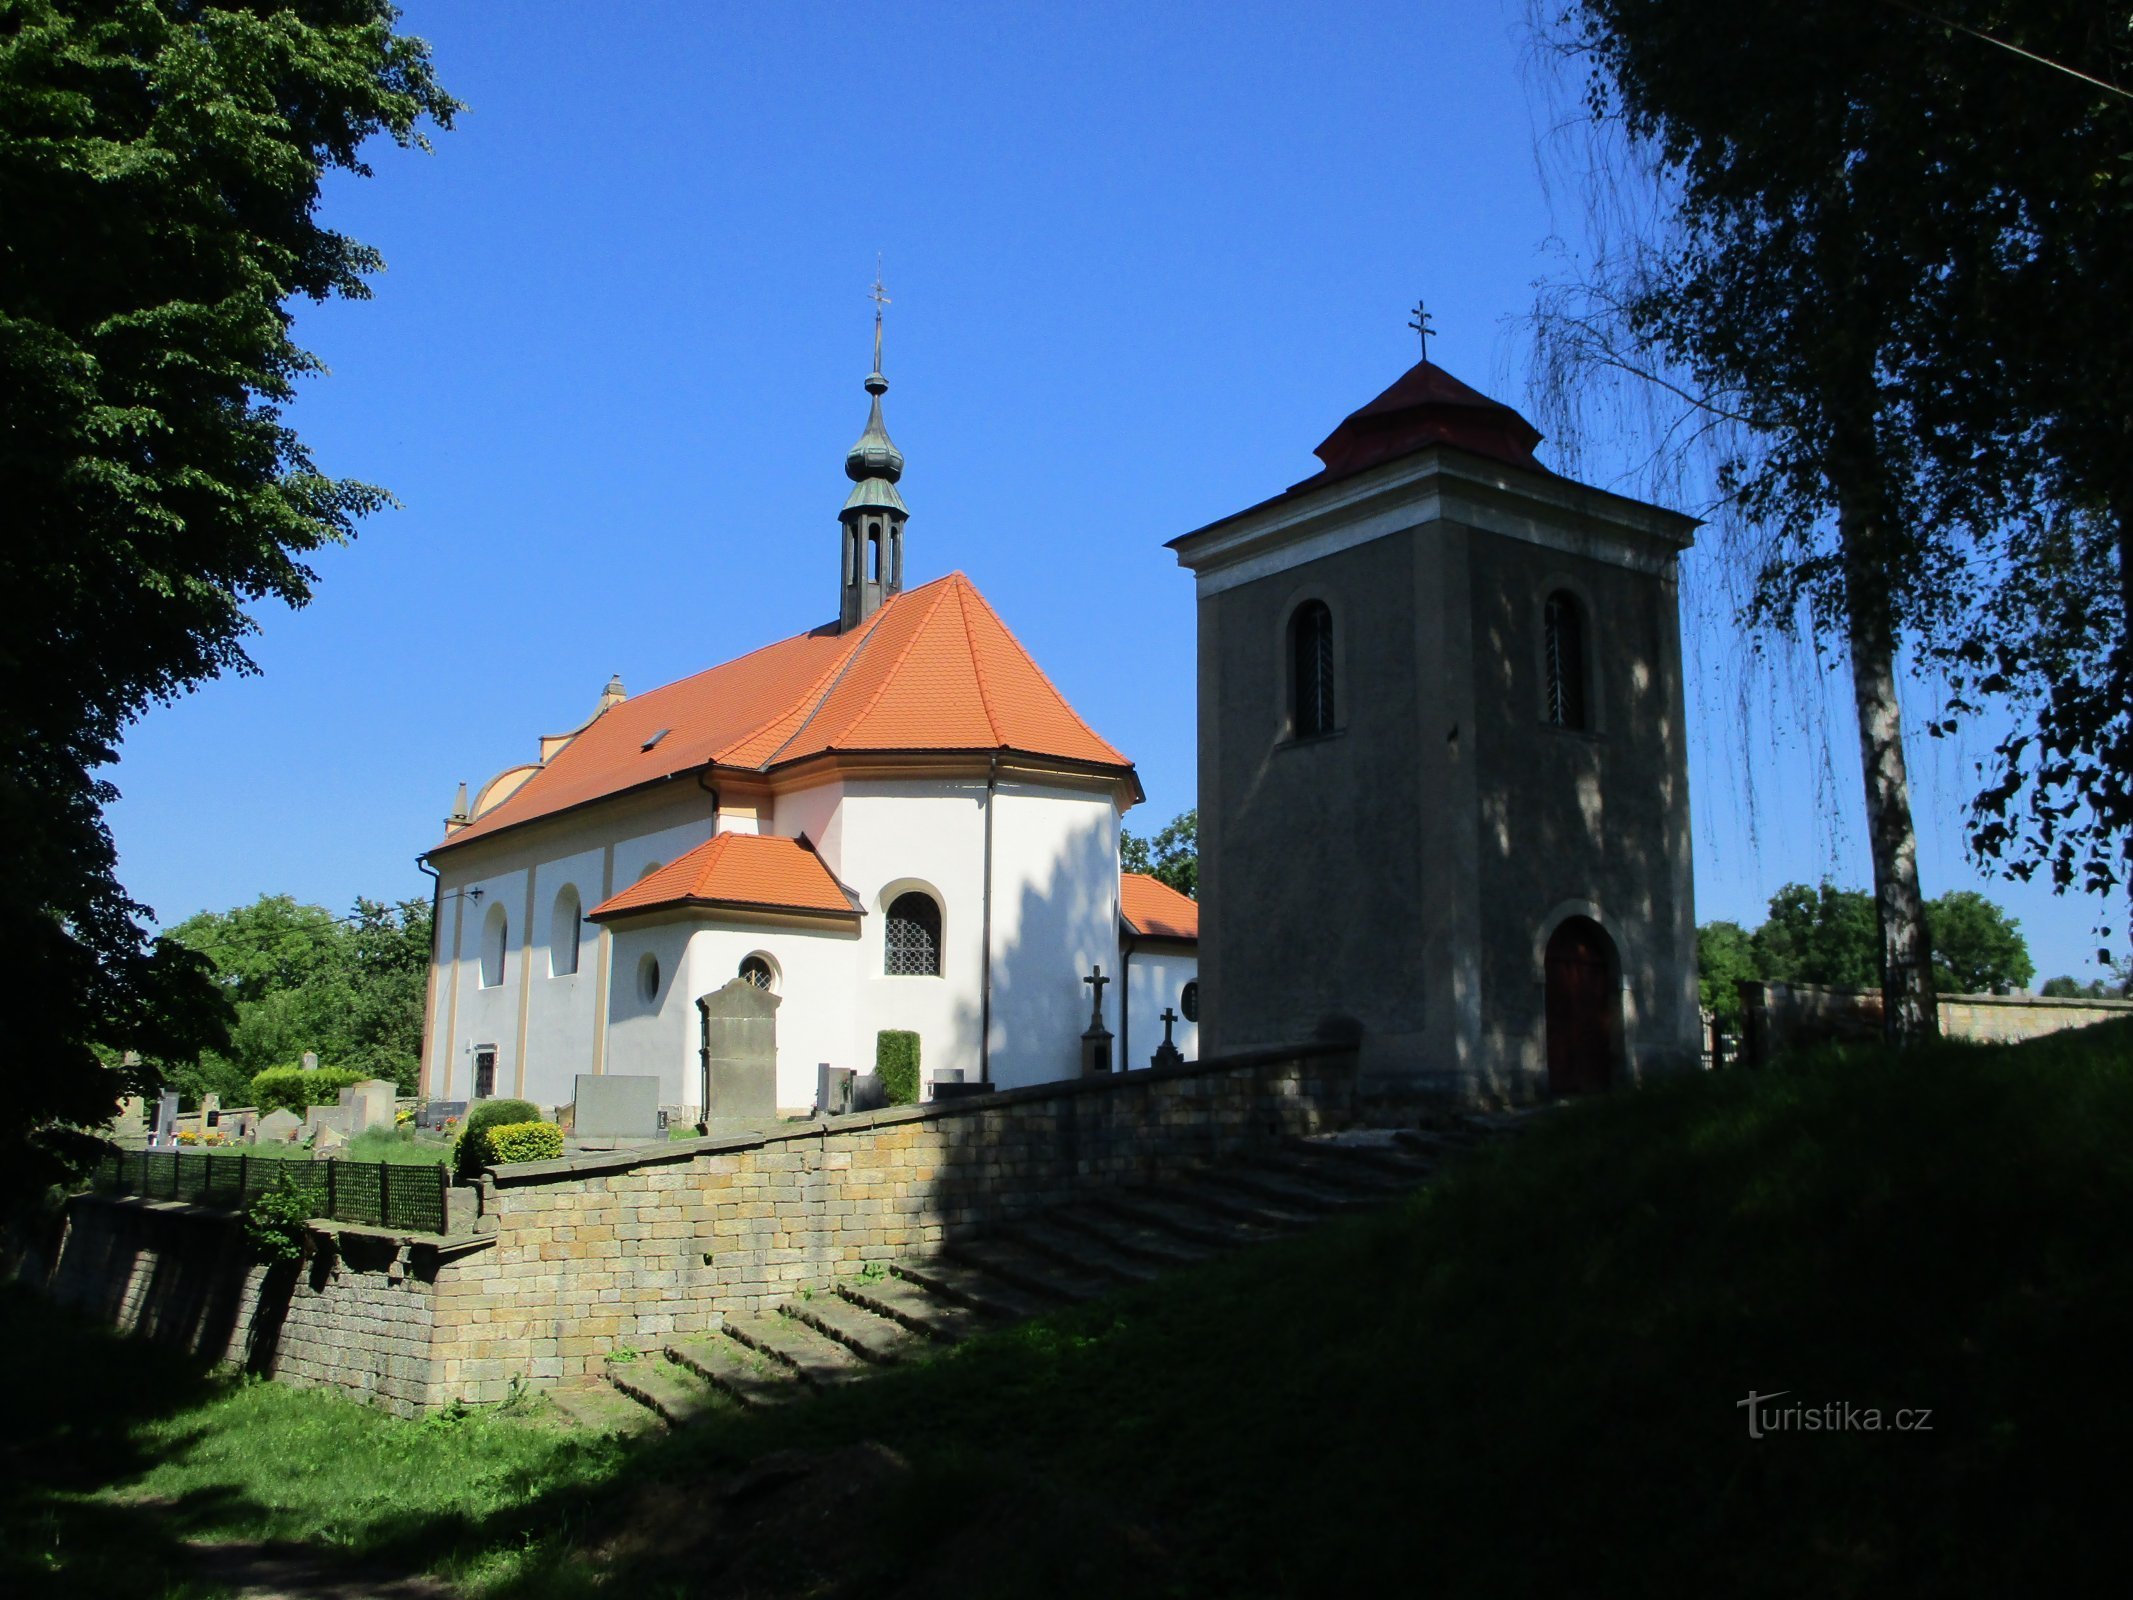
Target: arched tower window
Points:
x,y
1563,660
565,928
495,939
1311,669
912,941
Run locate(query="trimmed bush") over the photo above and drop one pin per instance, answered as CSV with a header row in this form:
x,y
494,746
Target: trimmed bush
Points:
x,y
524,1141
896,1064
294,1089
472,1153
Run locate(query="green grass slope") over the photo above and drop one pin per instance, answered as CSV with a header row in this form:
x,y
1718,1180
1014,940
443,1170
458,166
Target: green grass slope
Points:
x,y
1528,1380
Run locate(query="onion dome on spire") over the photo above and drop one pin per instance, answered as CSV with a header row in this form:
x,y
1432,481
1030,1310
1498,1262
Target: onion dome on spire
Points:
x,y
874,456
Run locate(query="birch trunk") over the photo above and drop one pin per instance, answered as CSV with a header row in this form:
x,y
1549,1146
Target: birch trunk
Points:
x,y
1910,1011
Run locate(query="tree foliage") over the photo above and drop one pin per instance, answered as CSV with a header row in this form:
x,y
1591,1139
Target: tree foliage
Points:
x,y
1977,947
1725,958
1173,855
299,978
160,169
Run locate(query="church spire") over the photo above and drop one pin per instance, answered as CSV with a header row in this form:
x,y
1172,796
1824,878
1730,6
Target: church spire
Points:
x,y
872,563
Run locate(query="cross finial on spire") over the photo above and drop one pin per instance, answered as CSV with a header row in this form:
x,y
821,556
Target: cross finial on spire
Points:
x,y
1422,327
880,298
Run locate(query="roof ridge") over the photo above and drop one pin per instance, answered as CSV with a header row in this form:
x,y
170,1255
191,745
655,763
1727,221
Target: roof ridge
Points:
x,y
1064,704
834,676
977,670
889,676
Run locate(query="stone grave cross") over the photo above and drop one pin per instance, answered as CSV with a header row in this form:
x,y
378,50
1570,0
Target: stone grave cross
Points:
x,y
1166,1053
1096,1038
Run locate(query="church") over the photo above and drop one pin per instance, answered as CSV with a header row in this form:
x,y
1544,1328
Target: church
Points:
x,y
889,821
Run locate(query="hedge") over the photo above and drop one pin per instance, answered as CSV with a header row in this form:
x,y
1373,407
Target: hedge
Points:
x,y
896,1064
524,1141
473,1151
294,1089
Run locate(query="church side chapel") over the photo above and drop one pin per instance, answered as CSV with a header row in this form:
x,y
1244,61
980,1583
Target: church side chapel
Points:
x,y
1443,786
892,821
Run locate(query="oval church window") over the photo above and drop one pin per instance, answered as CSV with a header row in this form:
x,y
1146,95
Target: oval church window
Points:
x,y
912,942
757,971
1189,1001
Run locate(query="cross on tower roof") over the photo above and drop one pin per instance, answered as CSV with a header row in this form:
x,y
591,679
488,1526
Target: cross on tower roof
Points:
x,y
1421,326
880,298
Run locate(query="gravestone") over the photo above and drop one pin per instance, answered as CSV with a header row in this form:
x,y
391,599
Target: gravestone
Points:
x,y
166,1133
326,1140
310,1061
616,1105
435,1113
131,1122
369,1104
210,1110
834,1089
1096,1038
279,1127
1167,1054
243,1127
338,1118
739,1056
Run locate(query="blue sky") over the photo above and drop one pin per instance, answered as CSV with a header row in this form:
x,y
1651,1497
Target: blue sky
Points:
x,y
1142,259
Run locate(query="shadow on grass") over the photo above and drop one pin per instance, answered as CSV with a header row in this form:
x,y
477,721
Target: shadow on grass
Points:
x,y
1526,1381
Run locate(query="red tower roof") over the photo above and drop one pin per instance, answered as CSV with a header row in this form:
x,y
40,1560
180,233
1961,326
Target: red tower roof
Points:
x,y
1427,406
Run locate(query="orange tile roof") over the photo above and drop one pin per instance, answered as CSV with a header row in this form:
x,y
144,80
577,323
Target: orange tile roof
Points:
x,y
762,871
934,669
1155,910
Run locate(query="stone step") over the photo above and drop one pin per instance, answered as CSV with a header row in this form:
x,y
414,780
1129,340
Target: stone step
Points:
x,y
747,1375
871,1337
1144,1241
1027,1270
679,1395
1175,1212
1218,1191
966,1286
1392,1158
1323,1190
813,1354
1384,1172
598,1406
1081,1251
910,1306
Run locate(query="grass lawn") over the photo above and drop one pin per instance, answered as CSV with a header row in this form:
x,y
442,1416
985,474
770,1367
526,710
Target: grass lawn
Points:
x,y
396,1145
1528,1380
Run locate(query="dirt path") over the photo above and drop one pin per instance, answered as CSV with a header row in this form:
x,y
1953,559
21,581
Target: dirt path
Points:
x,y
298,1572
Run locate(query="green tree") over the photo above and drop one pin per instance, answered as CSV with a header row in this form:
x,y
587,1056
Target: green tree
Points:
x,y
1822,935
1977,947
1725,958
160,171
2066,988
1173,855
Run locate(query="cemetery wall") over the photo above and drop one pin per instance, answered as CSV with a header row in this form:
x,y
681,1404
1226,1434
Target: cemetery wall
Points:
x,y
357,1316
1792,1016
595,1253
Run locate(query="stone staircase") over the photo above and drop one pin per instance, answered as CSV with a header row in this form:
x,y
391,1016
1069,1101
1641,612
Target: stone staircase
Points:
x,y
1074,1253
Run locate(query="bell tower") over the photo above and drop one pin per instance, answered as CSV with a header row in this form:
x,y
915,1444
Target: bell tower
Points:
x,y
872,545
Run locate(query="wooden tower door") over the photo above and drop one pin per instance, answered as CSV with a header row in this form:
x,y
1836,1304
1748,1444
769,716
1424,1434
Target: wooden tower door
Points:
x,y
1584,1008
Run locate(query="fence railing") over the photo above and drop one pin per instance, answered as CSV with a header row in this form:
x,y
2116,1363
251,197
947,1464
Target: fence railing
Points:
x,y
410,1199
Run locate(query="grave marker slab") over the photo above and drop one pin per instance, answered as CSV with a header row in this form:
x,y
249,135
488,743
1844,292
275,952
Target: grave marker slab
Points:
x,y
279,1127
740,1056
616,1105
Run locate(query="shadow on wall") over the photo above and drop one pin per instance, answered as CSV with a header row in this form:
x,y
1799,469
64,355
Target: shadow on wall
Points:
x,y
1586,820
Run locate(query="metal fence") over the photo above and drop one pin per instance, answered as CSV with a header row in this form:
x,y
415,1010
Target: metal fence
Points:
x,y
410,1199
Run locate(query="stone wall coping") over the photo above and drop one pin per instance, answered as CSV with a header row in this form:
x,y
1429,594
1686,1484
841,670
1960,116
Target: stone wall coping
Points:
x,y
593,1164
443,1244
2042,1001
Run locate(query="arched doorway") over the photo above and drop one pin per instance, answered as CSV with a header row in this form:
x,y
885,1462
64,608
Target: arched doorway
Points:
x,y
1584,1007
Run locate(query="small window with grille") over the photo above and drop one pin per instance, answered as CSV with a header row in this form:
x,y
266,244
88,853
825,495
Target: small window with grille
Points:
x,y
1189,1002
1563,660
913,937
757,971
1311,669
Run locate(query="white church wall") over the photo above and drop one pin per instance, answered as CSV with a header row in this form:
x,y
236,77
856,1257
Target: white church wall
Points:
x,y
651,1026
1054,916
815,812
485,1014
893,835
562,1017
815,971
1155,981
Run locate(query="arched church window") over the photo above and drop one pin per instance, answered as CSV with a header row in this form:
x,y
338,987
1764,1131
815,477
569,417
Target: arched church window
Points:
x,y
495,939
1189,1001
565,928
1563,660
1311,669
912,942
757,970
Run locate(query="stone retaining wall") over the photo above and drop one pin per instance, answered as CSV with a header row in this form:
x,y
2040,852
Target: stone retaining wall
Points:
x,y
358,1315
578,1257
